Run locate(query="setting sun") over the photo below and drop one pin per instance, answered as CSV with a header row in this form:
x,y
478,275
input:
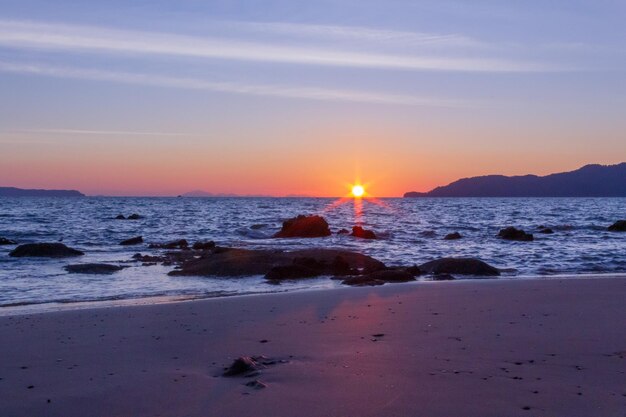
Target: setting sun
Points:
x,y
358,191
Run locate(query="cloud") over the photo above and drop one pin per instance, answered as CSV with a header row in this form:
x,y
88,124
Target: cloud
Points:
x,y
85,39
311,93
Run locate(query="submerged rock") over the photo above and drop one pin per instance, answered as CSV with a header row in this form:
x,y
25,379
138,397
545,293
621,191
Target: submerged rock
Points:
x,y
176,244
134,216
343,232
358,231
241,262
460,266
120,217
98,269
453,236
203,245
618,226
132,241
5,241
380,277
511,233
545,230
45,250
304,226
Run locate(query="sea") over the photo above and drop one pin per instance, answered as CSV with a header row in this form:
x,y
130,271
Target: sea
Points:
x,y
410,232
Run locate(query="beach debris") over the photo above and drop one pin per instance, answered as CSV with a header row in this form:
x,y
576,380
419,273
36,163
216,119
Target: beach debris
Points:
x,y
5,241
203,245
453,236
45,250
175,244
460,266
304,226
94,268
358,231
511,233
132,241
618,226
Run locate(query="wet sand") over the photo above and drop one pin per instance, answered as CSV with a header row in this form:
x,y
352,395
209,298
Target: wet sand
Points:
x,y
552,347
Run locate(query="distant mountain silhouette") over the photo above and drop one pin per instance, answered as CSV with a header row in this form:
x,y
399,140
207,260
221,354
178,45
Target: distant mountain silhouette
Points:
x,y
20,192
588,181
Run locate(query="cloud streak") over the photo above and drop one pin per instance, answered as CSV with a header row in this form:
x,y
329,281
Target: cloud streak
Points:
x,y
85,39
310,93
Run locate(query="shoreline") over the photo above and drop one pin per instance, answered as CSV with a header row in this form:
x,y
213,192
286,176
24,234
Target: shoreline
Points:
x,y
51,307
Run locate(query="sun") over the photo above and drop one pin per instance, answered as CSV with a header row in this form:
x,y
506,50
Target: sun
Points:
x,y
358,191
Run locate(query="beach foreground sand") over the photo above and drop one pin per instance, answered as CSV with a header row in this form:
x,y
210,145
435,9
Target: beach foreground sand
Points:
x,y
552,347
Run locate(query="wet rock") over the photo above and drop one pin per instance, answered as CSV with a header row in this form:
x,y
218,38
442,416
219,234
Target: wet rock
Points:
x,y
618,226
379,277
460,266
293,271
511,233
242,262
362,281
545,230
243,366
443,277
414,270
304,226
45,250
203,245
358,231
343,232
5,241
132,241
120,217
148,258
453,236
176,244
134,216
99,269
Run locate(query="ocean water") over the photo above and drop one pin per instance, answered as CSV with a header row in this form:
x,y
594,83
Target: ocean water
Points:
x,y
411,232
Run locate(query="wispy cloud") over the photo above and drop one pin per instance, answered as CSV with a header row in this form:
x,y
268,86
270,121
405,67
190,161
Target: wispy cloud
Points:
x,y
58,37
310,93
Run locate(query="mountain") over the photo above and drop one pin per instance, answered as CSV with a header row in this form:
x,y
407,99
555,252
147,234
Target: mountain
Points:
x,y
200,193
588,181
20,192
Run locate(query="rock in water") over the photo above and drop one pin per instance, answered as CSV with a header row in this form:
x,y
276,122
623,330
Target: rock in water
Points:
x,y
206,245
618,226
358,231
453,236
511,233
176,244
304,226
97,269
460,266
120,217
545,230
5,241
134,216
132,241
44,250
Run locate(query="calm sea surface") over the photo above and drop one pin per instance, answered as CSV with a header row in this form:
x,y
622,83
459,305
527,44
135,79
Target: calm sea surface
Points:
x,y
411,231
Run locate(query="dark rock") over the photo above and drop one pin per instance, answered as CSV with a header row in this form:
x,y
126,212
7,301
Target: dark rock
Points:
x,y
453,236
282,272
45,250
414,270
358,231
392,275
340,266
132,241
511,233
545,230
618,226
176,244
5,241
203,245
428,233
362,281
93,268
148,258
343,232
443,277
242,262
134,216
304,226
460,266
242,366
120,217
256,384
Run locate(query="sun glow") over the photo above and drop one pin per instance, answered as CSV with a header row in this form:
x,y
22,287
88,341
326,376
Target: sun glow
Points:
x,y
358,191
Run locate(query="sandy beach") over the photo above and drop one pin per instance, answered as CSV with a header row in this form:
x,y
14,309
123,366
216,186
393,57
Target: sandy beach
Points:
x,y
544,347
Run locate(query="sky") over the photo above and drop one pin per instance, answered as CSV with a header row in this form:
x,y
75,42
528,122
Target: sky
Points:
x,y
288,97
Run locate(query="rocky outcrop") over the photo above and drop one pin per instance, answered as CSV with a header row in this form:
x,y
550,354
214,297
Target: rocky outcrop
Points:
x,y
96,269
120,217
175,244
132,241
229,262
134,216
358,231
460,266
618,226
5,241
203,245
511,233
383,276
304,226
453,236
45,250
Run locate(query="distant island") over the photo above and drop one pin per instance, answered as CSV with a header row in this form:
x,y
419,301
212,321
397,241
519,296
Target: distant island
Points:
x,y
20,192
588,181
